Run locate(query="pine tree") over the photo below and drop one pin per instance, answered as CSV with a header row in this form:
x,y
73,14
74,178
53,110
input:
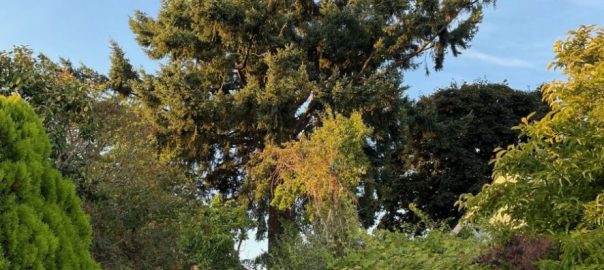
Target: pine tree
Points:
x,y
121,74
42,225
241,74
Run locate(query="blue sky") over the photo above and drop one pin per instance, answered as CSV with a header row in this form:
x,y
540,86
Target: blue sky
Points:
x,y
514,42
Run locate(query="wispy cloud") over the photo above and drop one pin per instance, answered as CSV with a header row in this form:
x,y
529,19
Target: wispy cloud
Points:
x,y
589,3
499,61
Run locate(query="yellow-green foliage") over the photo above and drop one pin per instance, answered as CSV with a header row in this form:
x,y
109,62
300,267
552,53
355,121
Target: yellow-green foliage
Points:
x,y
325,167
42,225
553,182
560,166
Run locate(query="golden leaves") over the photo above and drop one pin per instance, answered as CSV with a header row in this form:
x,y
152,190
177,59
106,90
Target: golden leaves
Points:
x,y
324,167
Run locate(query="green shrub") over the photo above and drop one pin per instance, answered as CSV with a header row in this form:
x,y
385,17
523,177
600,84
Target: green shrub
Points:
x,y
42,225
551,185
208,237
436,250
301,249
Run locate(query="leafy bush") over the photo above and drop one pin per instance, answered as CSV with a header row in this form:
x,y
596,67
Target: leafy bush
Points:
x,y
208,236
304,250
580,249
552,184
435,250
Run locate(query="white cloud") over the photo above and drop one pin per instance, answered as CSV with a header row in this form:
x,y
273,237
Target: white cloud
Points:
x,y
499,61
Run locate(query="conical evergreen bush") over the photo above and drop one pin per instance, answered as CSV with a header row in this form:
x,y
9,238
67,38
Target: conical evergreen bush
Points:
x,y
42,224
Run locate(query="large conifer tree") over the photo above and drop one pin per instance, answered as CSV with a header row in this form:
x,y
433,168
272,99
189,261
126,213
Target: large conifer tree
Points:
x,y
240,74
42,225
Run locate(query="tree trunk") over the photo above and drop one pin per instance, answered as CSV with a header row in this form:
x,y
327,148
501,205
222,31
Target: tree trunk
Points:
x,y
276,229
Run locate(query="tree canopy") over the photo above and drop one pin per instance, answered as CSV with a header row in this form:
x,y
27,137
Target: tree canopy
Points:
x,y
63,96
243,74
452,135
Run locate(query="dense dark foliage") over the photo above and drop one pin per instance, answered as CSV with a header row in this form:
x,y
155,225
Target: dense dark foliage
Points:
x,y
452,135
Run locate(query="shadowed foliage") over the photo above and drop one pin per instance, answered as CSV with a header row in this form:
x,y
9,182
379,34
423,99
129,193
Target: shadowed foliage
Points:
x,y
452,135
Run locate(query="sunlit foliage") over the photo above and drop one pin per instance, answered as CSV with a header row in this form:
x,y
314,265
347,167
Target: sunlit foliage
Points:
x,y
42,225
324,167
552,183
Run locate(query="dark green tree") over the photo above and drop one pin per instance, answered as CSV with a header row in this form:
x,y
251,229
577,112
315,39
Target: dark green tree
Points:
x,y
121,74
240,74
42,225
451,141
